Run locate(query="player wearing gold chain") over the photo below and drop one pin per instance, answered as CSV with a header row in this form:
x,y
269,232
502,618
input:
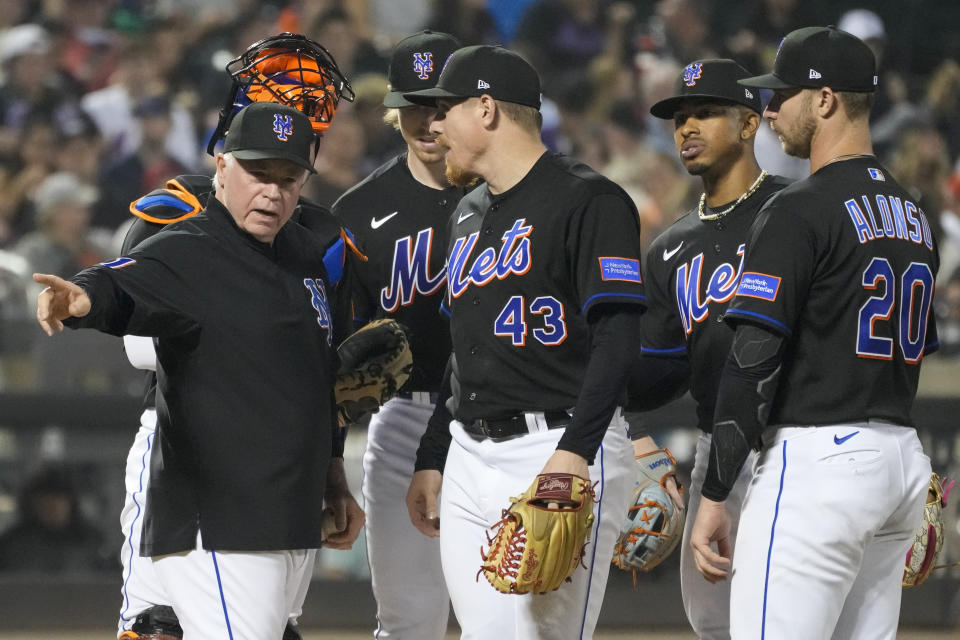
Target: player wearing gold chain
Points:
x,y
692,272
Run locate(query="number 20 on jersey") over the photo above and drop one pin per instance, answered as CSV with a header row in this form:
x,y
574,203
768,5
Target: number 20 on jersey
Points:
x,y
905,299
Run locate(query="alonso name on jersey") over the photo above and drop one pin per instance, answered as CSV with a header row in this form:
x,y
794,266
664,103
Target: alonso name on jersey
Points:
x,y
864,261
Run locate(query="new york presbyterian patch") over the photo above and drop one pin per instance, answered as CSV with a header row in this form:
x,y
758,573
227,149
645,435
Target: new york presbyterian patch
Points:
x,y
627,269
759,285
119,263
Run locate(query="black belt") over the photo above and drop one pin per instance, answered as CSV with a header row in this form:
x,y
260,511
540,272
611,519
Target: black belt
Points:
x,y
513,426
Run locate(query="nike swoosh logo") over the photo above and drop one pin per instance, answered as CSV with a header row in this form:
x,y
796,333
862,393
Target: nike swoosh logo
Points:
x,y
464,216
376,224
837,440
669,254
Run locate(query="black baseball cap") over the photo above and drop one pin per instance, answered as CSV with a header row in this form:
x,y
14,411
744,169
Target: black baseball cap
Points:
x,y
814,57
267,130
483,69
416,64
715,79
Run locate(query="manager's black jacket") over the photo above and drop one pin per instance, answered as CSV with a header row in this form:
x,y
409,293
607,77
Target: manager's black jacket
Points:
x,y
245,372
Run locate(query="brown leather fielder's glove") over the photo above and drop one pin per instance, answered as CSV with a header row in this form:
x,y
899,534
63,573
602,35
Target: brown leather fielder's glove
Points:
x,y
922,556
375,362
653,525
536,548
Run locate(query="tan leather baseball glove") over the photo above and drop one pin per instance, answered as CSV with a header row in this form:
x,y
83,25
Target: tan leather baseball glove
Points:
x,y
537,548
928,541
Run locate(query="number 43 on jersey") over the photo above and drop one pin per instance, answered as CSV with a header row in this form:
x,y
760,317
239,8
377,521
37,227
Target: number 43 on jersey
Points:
x,y
512,321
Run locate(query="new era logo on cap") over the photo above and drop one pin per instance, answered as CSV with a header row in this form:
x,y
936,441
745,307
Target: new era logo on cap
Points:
x,y
815,57
482,85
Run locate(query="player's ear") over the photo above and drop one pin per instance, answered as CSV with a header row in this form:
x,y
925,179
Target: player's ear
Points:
x,y
487,108
825,102
221,163
749,123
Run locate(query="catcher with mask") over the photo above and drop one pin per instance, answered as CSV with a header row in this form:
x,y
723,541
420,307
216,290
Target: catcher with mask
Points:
x,y
287,69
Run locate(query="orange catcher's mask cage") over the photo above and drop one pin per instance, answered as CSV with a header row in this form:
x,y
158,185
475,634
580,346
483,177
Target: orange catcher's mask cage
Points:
x,y
288,69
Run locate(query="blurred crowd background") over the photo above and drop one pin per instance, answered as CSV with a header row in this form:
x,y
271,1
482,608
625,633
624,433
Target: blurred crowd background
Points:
x,y
102,101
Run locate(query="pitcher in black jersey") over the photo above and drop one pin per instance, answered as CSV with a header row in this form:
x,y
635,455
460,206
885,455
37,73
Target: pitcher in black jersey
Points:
x,y
544,292
692,271
399,216
832,318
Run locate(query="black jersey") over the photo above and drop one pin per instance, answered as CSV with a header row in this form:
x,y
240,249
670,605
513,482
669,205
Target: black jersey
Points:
x,y
524,269
186,195
692,270
843,264
245,368
400,224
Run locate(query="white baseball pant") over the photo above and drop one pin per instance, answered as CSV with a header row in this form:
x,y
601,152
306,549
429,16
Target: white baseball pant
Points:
x,y
412,600
479,479
708,605
826,525
234,595
141,586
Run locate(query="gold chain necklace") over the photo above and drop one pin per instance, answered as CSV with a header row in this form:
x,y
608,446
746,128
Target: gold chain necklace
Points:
x,y
847,156
743,196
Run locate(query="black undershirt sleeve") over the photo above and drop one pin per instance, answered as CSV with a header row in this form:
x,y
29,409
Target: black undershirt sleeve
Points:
x,y
655,381
432,453
747,388
614,343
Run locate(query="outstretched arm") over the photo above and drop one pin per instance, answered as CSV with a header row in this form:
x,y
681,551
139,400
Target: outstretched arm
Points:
x,y
60,300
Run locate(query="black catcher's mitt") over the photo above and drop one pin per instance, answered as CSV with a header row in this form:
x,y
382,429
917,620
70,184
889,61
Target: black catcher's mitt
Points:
x,y
374,363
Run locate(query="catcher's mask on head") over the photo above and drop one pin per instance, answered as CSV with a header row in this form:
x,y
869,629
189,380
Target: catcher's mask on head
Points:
x,y
289,69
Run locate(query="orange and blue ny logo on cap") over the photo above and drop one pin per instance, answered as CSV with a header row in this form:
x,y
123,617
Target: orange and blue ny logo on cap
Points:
x,y
423,64
692,73
282,126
